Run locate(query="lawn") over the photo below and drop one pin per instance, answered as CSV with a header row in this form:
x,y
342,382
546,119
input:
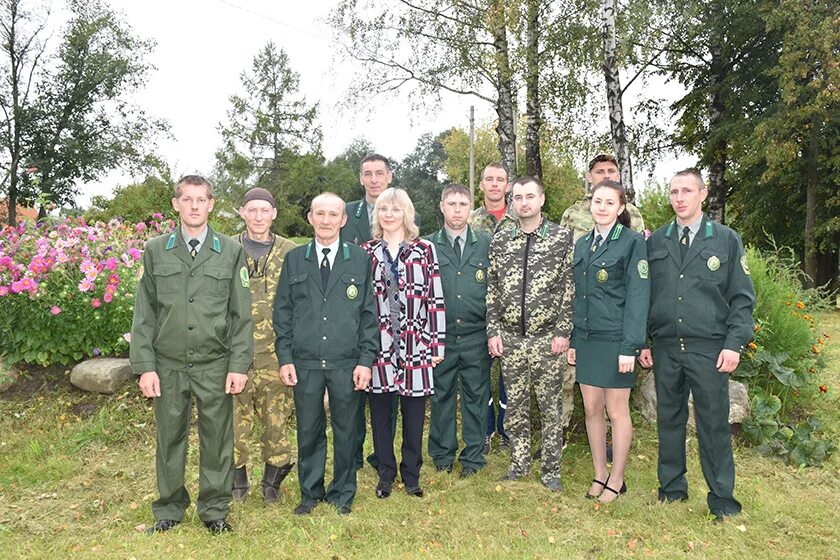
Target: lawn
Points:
x,y
77,480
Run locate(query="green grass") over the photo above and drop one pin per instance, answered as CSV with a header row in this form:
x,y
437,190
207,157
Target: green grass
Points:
x,y
77,480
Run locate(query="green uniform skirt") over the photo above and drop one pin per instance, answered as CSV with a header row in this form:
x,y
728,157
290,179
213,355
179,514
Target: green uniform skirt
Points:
x,y
597,364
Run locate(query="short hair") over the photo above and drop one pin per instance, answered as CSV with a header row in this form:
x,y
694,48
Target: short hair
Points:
x,y
397,197
525,179
601,158
624,217
375,157
197,180
454,188
327,195
691,172
495,165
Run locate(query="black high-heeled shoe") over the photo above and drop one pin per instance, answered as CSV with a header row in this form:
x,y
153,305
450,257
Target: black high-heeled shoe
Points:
x,y
622,490
593,496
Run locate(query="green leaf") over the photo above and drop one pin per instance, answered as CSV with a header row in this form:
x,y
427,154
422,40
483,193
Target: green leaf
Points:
x,y
765,406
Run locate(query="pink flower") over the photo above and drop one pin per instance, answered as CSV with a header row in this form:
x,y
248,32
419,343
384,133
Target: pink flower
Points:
x,y
108,296
140,227
95,302
157,215
113,279
85,285
135,253
111,264
4,291
55,310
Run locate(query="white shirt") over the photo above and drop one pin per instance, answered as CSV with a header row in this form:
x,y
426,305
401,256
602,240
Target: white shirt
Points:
x,y
333,247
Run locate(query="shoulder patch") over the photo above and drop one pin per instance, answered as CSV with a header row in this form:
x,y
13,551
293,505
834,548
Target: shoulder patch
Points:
x,y
243,277
642,267
744,265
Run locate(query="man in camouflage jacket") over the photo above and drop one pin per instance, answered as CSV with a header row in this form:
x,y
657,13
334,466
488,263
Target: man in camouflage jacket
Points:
x,y
265,397
530,290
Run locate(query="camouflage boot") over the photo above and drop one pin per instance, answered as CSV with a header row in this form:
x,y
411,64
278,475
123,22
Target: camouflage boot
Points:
x,y
240,484
271,481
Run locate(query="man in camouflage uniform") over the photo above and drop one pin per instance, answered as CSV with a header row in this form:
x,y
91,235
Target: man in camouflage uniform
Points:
x,y
265,397
494,214
578,218
530,289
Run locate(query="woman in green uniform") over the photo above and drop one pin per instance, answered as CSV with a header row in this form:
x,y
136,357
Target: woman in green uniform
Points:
x,y
610,318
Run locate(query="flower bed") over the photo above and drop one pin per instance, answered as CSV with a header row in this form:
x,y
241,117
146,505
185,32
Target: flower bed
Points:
x,y
67,290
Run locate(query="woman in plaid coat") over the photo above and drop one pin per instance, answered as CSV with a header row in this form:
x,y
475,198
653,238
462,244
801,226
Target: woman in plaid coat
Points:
x,y
412,325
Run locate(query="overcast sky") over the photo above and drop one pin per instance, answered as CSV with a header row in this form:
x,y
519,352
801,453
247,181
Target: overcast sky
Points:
x,y
204,45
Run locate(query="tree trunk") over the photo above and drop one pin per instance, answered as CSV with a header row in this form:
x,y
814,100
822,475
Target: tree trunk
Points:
x,y
504,88
533,157
611,79
717,170
811,186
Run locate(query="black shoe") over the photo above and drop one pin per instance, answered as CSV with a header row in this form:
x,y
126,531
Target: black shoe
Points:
x,y
538,453
666,499
595,481
240,484
162,526
415,491
488,444
344,510
304,509
467,472
619,492
218,526
383,489
504,441
272,478
444,468
554,485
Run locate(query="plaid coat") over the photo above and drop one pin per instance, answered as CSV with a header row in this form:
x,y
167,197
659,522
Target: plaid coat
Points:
x,y
422,320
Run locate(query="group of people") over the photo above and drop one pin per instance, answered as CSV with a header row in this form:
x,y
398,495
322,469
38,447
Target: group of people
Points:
x,y
370,312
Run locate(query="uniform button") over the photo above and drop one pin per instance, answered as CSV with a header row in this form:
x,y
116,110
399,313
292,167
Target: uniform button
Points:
x,y
189,365
584,273
459,296
192,300
679,320
682,275
325,318
682,339
192,352
325,338
457,320
459,273
584,297
458,337
192,274
325,300
679,298
189,328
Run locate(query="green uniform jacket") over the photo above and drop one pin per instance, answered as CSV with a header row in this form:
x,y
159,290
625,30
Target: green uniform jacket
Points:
x,y
612,291
326,329
464,286
357,228
706,302
192,313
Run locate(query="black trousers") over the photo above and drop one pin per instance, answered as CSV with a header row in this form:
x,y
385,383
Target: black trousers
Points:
x,y
413,417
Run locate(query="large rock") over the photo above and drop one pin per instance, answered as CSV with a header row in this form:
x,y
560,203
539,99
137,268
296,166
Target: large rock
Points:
x,y
101,375
739,401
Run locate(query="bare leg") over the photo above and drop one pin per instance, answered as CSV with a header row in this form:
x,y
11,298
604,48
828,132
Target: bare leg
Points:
x,y
594,401
618,408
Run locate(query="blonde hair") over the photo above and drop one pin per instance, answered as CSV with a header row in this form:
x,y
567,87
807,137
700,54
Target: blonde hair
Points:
x,y
397,197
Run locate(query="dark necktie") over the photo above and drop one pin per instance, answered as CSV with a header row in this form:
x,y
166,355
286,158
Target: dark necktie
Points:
x,y
684,242
325,267
193,249
597,243
458,249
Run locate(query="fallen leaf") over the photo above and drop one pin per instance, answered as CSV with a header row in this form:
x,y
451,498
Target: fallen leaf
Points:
x,y
141,527
498,488
524,532
133,505
552,540
612,532
73,506
554,509
742,528
333,537
690,546
632,544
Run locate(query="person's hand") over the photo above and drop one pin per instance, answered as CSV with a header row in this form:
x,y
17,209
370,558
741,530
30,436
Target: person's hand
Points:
x,y
495,347
559,344
235,383
361,378
150,384
288,375
728,360
571,356
626,364
436,360
645,358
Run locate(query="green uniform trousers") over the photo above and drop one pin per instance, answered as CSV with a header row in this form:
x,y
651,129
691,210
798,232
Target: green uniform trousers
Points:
x,y
528,360
312,437
467,369
173,412
267,398
676,373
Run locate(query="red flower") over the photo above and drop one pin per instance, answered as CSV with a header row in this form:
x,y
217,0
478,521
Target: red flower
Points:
x,y
823,389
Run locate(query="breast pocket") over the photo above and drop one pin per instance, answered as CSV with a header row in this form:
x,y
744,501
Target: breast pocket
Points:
x,y
297,286
715,265
657,262
478,269
217,281
351,284
608,271
168,279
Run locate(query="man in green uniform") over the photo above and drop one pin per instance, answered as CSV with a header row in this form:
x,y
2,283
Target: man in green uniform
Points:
x,y
578,218
700,319
530,289
493,215
463,259
192,336
265,396
325,323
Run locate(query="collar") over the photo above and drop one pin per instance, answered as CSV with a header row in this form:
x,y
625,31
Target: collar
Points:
x,y
542,229
215,247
